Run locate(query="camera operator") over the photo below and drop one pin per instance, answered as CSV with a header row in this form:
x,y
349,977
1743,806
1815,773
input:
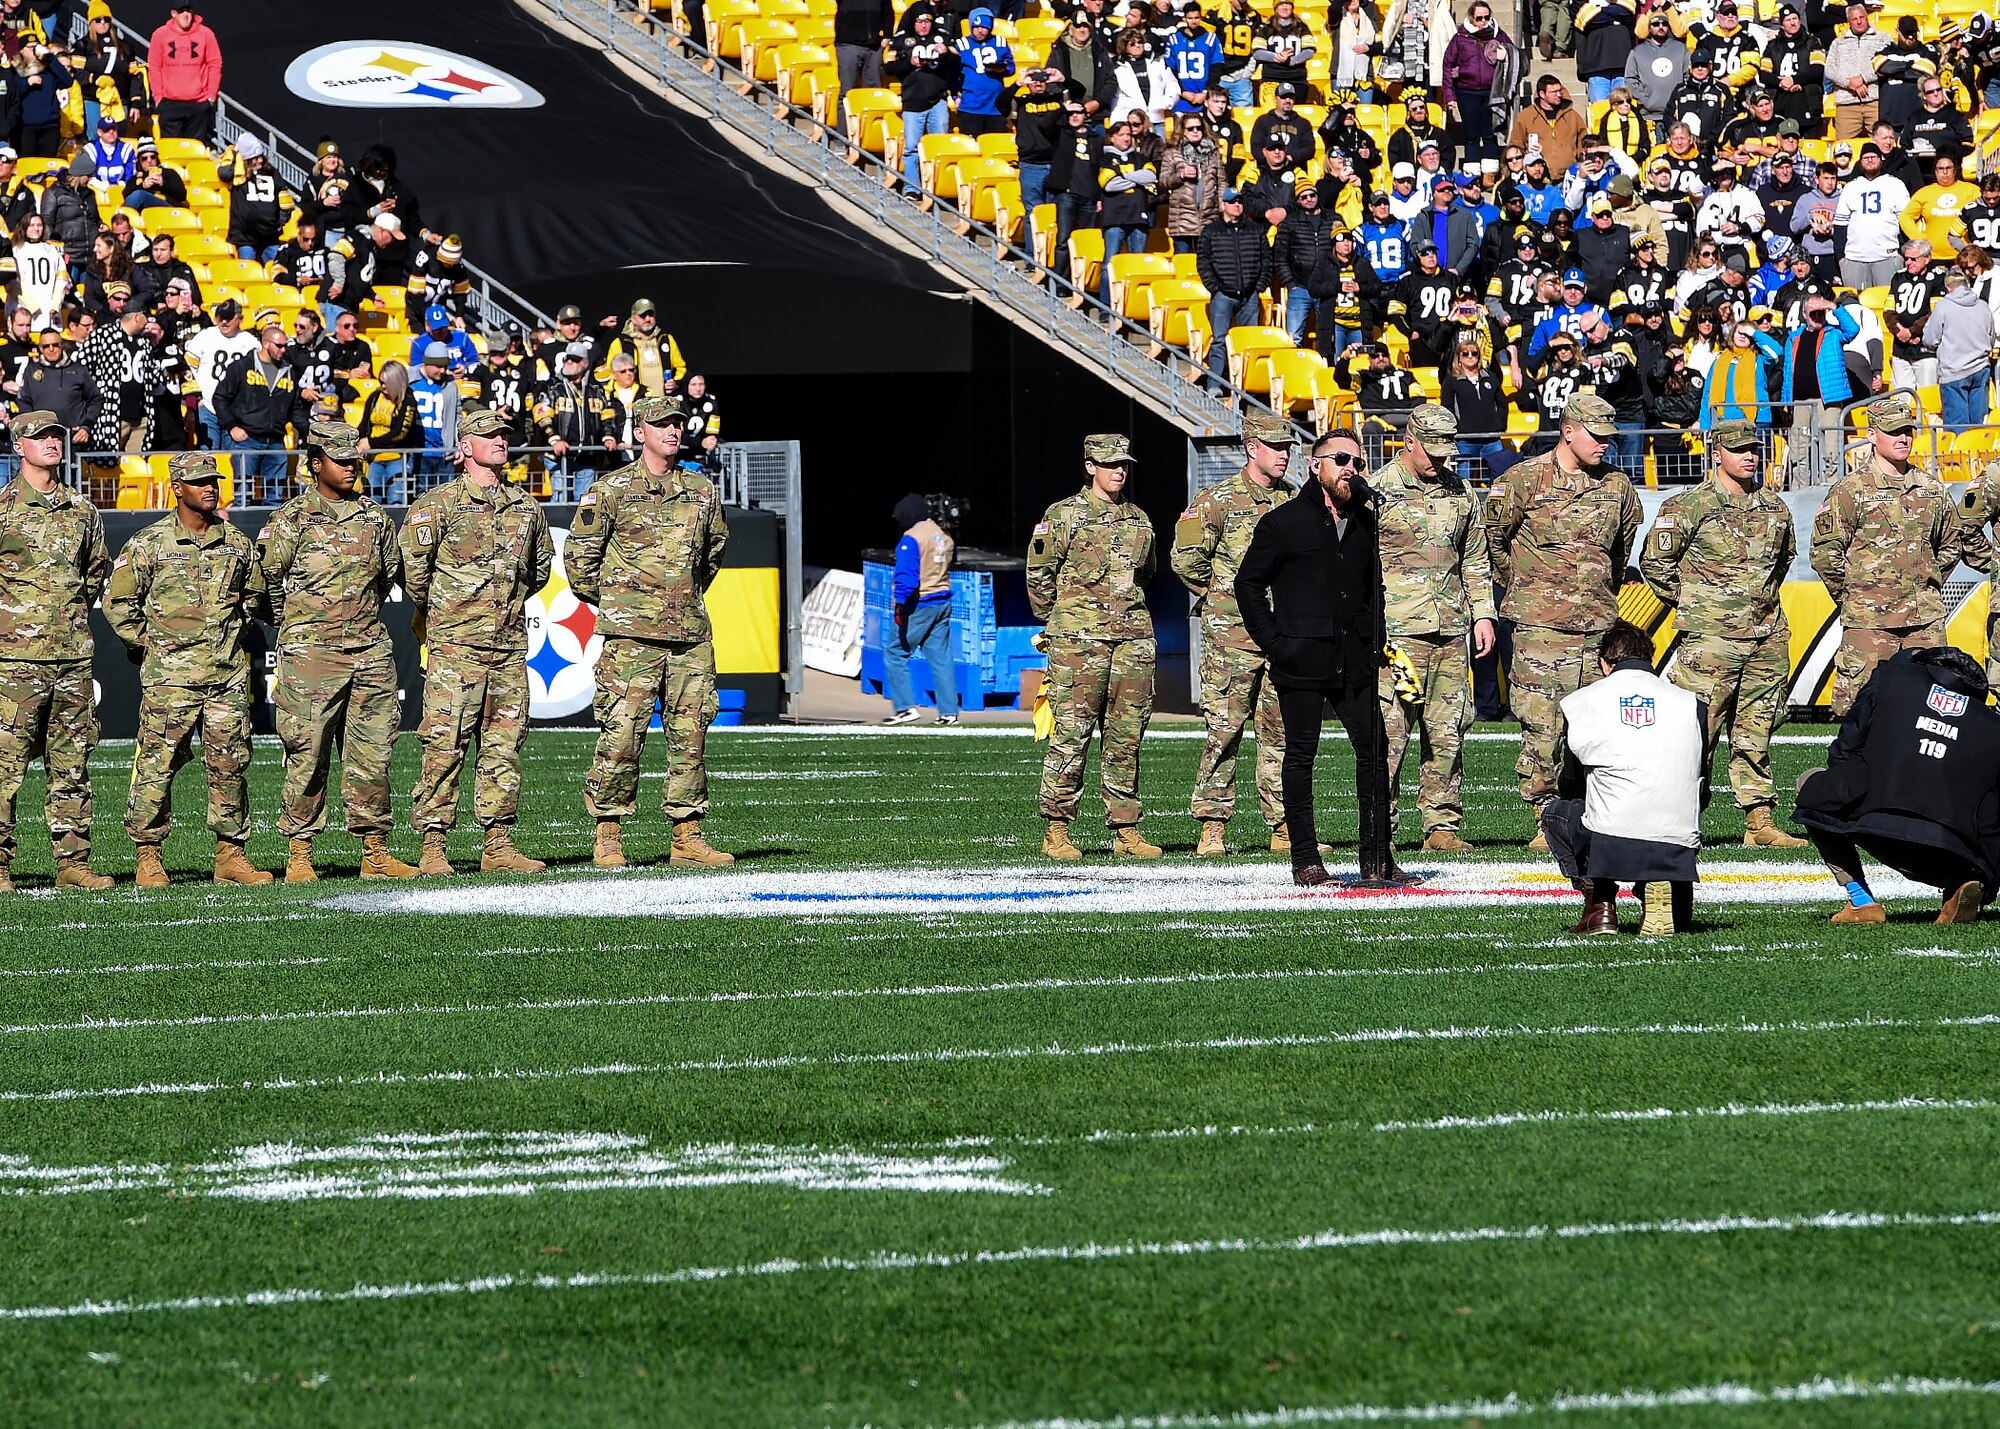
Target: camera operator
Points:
x,y
1913,778
922,603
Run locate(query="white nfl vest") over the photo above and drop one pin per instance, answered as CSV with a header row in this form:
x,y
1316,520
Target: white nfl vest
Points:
x,y
1640,737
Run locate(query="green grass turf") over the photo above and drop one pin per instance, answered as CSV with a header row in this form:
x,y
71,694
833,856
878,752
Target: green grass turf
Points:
x,y
1291,1146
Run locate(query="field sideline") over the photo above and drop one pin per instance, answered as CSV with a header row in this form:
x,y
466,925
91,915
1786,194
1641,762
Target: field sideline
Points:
x,y
897,1125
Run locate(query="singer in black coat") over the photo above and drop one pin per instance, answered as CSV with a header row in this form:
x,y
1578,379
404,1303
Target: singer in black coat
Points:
x,y
1310,589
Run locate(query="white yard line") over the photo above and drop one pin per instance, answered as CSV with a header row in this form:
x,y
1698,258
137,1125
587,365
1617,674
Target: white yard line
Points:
x,y
791,734
951,1055
1088,1252
113,1023
1515,1406
1725,1112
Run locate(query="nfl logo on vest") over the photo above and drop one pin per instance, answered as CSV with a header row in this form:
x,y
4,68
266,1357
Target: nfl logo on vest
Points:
x,y
1636,710
1948,703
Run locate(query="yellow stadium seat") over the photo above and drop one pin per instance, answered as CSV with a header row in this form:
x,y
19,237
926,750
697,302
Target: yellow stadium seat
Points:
x,y
725,20
808,78
244,272
1086,257
1177,315
1331,402
1250,350
999,146
983,186
762,40
172,151
170,220
1042,234
938,156
1292,374
200,173
1188,266
1131,275
875,122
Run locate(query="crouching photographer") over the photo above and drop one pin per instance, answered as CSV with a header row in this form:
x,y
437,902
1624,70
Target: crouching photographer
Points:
x,y
1914,779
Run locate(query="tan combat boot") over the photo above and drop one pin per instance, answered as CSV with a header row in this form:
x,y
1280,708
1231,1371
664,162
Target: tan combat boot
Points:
x,y
1281,841
1540,842
231,866
434,863
299,862
1962,904
609,849
1658,921
1761,832
378,862
1211,845
1128,842
6,878
1852,915
500,855
151,872
77,873
1056,844
1445,841
691,849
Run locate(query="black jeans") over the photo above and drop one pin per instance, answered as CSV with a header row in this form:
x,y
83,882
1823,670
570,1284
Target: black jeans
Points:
x,y
187,119
1358,708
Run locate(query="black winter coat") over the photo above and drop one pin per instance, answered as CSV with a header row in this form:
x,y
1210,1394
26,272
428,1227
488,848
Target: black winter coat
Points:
x,y
1233,258
1302,241
71,214
1313,601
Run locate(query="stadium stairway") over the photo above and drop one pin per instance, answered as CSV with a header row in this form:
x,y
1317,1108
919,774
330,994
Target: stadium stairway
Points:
x,y
1145,353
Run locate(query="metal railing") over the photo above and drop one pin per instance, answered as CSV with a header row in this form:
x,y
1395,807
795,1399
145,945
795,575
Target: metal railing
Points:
x,y
987,262
493,301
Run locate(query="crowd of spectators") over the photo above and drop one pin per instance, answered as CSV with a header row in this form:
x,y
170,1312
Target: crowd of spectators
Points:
x,y
356,308
1758,210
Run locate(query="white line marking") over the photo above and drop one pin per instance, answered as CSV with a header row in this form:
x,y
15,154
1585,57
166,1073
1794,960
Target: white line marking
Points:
x,y
380,954
1725,1112
790,734
1090,1251
950,1055
460,1165
110,1023
1514,1406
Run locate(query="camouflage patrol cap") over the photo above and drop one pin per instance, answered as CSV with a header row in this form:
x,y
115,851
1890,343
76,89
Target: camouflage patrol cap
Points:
x,y
481,422
1738,434
1893,414
1108,449
337,439
33,424
194,466
1268,428
658,411
1436,430
1593,412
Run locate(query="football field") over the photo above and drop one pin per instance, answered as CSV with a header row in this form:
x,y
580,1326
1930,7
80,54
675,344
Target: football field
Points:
x,y
896,1124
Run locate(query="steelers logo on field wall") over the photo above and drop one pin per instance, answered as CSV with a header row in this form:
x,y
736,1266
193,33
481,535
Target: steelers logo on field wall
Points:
x,y
563,645
393,74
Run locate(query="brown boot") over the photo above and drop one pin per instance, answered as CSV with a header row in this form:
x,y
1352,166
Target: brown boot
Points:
x,y
1761,832
1128,842
378,862
433,862
1445,841
1600,912
608,851
500,855
1056,844
690,849
299,862
1281,841
231,866
151,872
77,873
1961,904
1866,913
1211,845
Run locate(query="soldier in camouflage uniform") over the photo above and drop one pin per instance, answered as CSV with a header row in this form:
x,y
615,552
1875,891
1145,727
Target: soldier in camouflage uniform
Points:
x,y
1209,542
1718,553
646,542
1088,563
1979,519
183,593
474,551
1437,582
330,558
1559,528
1884,544
52,567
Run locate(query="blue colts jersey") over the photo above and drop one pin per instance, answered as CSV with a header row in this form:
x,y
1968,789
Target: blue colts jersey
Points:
x,y
1387,248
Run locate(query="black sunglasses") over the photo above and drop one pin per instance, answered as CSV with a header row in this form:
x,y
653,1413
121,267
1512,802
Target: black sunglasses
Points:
x,y
1340,458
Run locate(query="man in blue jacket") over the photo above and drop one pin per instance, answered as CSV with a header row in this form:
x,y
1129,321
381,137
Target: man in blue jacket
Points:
x,y
986,64
1817,383
921,603
1194,58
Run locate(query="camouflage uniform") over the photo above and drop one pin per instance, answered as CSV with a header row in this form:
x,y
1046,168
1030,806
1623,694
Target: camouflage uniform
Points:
x,y
329,566
185,602
1980,523
1209,542
1088,564
1437,581
1559,545
1884,543
1720,560
472,557
52,569
642,550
